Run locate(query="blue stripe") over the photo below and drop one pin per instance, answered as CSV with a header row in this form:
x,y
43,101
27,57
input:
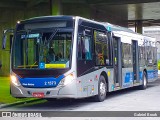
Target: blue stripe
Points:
x,y
152,74
140,75
46,82
128,77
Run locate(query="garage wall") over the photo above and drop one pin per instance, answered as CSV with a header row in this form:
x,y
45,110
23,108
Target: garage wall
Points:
x,y
8,19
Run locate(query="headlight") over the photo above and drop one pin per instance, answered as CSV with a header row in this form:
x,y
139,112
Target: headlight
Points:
x,y
14,80
68,79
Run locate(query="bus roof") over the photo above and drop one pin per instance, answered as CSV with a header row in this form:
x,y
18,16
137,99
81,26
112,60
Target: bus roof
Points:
x,y
108,26
47,18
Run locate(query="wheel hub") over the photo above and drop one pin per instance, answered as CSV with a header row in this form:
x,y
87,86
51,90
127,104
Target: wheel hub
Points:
x,y
145,81
102,89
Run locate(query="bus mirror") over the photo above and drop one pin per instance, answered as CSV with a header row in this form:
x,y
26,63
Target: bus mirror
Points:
x,y
4,37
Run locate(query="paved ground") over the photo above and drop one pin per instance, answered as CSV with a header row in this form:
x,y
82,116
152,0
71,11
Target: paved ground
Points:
x,y
125,100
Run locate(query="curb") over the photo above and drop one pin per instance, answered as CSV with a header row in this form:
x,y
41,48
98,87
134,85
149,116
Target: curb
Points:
x,y
18,103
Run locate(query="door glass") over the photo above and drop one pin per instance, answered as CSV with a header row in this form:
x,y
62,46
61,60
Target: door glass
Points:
x,y
135,60
115,43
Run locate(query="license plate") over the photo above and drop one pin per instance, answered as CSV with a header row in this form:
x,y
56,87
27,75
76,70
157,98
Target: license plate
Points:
x,y
38,95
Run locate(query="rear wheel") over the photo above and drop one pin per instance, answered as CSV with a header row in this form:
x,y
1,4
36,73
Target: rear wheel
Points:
x,y
102,89
144,82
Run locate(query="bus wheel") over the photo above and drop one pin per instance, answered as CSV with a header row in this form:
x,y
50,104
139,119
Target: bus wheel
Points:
x,y
102,90
144,82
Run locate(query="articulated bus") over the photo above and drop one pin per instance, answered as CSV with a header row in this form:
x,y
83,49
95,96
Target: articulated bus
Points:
x,y
74,57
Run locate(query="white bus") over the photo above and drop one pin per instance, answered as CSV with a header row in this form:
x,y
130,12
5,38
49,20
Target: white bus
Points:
x,y
74,57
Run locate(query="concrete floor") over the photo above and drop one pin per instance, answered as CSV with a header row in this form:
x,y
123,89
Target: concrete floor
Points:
x,y
124,100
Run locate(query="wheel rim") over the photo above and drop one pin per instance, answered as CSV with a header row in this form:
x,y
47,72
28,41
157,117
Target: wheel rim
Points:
x,y
102,89
145,81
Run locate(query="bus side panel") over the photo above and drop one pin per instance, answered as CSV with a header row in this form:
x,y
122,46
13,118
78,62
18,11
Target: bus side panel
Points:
x,y
152,73
127,77
88,84
141,70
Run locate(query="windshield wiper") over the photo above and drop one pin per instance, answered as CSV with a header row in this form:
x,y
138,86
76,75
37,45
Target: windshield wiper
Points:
x,y
52,35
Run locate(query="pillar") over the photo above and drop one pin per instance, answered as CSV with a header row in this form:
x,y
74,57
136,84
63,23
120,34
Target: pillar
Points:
x,y
55,7
138,27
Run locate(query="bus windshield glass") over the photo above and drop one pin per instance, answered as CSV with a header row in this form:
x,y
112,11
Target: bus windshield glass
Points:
x,y
42,49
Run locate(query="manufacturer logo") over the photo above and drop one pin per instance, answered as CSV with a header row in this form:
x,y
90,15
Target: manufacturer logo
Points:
x,y
6,114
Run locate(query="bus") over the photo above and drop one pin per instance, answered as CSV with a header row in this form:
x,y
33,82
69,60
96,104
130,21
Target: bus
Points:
x,y
55,57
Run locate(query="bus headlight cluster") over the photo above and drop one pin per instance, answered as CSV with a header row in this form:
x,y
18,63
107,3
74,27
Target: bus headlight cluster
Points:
x,y
68,79
14,80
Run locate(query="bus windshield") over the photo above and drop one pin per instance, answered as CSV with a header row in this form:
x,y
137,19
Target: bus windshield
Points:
x,y
42,49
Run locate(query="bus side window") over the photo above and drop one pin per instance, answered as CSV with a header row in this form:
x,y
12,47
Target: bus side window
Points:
x,y
84,48
101,48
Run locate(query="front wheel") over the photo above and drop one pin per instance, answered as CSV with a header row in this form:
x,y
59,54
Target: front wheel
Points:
x,y
102,89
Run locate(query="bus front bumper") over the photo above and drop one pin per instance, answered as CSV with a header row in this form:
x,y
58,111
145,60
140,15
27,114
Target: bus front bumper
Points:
x,y
68,91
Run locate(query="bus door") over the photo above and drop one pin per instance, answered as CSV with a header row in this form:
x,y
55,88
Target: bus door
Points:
x,y
117,61
85,56
135,61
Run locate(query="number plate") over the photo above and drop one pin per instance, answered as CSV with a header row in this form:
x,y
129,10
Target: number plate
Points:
x,y
38,95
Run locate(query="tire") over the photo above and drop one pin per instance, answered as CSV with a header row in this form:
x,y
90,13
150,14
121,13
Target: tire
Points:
x,y
102,90
144,82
